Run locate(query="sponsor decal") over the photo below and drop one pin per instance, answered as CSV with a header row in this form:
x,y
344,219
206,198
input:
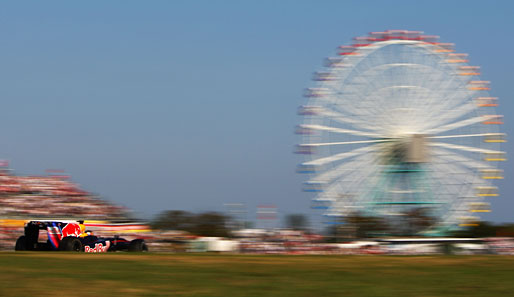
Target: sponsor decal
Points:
x,y
99,248
71,229
54,235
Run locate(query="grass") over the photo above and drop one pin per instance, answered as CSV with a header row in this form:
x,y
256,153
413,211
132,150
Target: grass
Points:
x,y
124,274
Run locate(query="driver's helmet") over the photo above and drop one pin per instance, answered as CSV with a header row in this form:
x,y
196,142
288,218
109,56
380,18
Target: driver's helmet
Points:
x,y
82,229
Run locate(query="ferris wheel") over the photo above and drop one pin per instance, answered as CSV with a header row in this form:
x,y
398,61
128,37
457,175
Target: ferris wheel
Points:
x,y
398,121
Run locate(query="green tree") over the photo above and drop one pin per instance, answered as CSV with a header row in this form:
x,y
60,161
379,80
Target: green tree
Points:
x,y
173,220
203,224
417,220
367,226
483,229
297,222
210,224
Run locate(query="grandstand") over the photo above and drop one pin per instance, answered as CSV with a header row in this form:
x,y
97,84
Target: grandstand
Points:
x,y
51,196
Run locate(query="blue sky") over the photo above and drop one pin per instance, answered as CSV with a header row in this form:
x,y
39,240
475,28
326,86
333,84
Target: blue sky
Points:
x,y
188,105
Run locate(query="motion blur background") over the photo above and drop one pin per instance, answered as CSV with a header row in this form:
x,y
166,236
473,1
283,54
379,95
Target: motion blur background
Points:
x,y
192,104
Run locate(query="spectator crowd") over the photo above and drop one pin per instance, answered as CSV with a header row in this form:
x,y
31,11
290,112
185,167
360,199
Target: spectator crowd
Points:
x,y
48,197
51,196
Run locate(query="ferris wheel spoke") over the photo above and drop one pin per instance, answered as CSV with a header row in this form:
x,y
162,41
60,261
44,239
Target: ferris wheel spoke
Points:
x,y
383,113
348,191
352,98
463,175
344,119
454,104
328,112
460,124
440,112
455,113
464,135
440,183
399,111
365,88
449,98
464,148
466,169
447,155
337,116
457,171
356,177
454,195
376,71
340,130
355,87
343,169
340,156
456,204
345,142
452,83
446,92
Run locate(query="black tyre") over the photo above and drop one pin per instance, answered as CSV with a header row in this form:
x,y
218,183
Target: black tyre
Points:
x,y
137,245
21,244
70,244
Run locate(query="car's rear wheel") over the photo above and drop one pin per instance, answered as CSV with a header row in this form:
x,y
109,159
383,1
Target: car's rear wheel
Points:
x,y
137,245
21,244
70,244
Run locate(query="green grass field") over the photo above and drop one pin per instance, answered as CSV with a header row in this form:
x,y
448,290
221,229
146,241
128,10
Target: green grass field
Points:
x,y
123,274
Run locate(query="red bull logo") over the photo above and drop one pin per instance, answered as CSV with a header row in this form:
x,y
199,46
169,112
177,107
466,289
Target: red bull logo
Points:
x,y
71,229
99,248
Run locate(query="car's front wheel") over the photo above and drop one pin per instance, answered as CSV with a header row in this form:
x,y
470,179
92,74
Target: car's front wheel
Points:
x,y
137,245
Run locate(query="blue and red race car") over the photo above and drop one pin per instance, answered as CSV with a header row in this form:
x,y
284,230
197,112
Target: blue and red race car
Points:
x,y
71,236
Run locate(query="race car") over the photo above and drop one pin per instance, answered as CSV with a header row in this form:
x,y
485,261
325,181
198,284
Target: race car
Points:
x,y
72,236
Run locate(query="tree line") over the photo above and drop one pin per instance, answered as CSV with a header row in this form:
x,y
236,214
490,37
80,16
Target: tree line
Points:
x,y
356,225
214,223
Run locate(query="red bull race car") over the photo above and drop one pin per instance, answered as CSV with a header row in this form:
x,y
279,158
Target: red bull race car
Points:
x,y
71,236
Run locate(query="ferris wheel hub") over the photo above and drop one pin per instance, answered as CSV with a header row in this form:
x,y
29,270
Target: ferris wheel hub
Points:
x,y
407,148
